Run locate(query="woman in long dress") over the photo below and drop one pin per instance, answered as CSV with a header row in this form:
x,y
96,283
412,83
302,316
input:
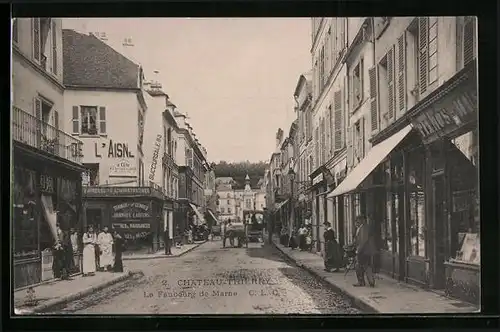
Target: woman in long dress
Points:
x,y
119,246
105,241
89,241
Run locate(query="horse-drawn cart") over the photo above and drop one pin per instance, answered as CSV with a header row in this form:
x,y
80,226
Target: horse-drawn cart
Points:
x,y
238,231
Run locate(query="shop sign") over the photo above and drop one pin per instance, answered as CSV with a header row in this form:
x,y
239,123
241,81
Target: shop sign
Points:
x,y
131,226
116,191
317,179
131,210
123,168
445,116
154,162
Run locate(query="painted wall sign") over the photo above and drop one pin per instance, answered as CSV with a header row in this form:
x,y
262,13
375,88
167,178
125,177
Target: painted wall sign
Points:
x,y
119,150
154,162
449,114
131,210
317,179
131,225
123,168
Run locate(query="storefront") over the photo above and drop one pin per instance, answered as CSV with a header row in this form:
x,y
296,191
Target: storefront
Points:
x,y
319,205
46,191
448,129
418,185
135,212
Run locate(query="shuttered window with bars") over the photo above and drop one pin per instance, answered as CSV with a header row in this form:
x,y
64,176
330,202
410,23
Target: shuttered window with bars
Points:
x,y
372,76
466,40
401,73
337,102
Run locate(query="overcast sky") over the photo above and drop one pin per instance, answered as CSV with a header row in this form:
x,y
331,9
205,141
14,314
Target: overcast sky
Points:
x,y
234,77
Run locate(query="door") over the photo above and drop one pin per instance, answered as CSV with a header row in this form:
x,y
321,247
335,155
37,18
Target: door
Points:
x,y
440,222
318,242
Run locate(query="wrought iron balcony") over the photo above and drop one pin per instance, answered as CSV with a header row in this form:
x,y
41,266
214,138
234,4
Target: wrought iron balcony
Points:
x,y
36,133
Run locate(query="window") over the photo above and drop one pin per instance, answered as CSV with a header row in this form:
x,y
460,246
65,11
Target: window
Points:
x,y
25,228
322,68
323,141
15,36
427,53
337,102
229,210
40,33
466,40
89,122
228,202
417,229
387,87
222,210
357,85
316,147
248,204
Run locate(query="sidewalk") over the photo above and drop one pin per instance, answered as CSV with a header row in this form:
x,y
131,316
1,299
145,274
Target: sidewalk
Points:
x,y
176,252
49,294
389,296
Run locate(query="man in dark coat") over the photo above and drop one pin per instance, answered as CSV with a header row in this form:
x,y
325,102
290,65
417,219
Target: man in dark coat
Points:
x,y
365,250
333,257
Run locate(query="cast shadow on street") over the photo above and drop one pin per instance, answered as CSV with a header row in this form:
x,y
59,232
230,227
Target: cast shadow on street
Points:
x,y
266,252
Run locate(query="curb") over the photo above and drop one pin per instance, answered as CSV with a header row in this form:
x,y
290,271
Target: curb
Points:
x,y
76,296
132,258
361,304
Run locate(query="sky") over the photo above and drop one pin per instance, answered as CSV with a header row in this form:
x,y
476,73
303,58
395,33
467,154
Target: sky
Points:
x,y
234,77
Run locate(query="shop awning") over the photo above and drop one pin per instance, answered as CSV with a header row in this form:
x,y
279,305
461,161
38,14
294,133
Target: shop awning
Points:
x,y
373,158
198,214
280,205
212,215
50,214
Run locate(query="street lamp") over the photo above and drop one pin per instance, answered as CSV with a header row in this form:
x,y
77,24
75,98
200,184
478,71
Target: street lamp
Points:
x,y
291,174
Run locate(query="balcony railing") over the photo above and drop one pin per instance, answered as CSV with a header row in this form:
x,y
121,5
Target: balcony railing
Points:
x,y
34,132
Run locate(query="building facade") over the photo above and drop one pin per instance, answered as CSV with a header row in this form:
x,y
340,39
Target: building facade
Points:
x,y
191,159
416,177
330,93
47,170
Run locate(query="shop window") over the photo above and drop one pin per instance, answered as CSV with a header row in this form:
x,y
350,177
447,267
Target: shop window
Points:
x,y
25,227
94,217
386,229
417,226
348,235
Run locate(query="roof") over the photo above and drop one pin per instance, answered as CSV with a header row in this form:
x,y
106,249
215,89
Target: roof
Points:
x,y
305,78
89,62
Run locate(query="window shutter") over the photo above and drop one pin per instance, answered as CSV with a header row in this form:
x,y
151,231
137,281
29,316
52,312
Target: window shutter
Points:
x,y
337,100
36,38
38,108
76,122
102,120
423,57
350,152
56,119
402,73
54,48
362,138
468,40
327,54
372,76
350,99
390,75
459,27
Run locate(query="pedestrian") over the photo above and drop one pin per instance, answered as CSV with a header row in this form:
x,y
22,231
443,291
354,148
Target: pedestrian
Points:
x,y
89,247
365,250
119,246
105,241
333,257
69,261
292,242
302,237
97,249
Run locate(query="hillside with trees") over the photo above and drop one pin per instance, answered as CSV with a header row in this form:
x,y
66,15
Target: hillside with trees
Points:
x,y
239,170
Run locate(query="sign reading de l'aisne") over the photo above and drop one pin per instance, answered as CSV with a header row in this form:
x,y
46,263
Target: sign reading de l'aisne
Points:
x,y
447,115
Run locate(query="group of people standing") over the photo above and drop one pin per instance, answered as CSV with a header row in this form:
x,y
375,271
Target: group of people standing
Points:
x,y
102,252
363,248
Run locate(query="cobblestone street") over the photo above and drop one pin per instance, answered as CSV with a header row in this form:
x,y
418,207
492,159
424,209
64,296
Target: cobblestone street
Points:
x,y
212,280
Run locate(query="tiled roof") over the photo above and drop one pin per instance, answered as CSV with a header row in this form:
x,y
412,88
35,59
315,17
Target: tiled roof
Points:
x,y
89,62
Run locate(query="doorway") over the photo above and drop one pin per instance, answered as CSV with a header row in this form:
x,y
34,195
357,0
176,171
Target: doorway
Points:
x,y
440,222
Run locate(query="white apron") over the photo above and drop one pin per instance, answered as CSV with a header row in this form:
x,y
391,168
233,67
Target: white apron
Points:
x,y
105,241
89,241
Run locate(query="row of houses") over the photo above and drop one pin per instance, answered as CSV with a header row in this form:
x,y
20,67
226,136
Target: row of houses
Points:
x,y
386,126
94,143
